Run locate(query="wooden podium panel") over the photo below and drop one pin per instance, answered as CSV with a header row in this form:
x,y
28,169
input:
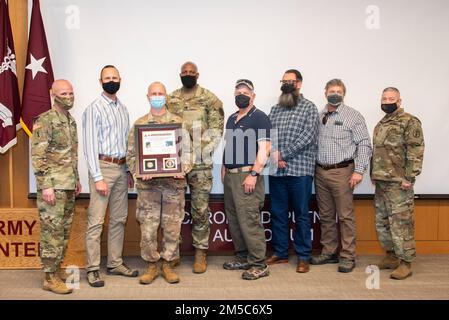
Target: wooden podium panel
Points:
x,y
19,239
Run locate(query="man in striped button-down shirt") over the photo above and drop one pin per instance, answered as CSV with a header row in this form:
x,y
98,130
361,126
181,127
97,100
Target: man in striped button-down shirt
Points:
x,y
105,138
344,151
295,122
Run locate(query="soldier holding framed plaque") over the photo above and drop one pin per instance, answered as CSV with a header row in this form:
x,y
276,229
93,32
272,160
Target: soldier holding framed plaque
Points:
x,y
158,158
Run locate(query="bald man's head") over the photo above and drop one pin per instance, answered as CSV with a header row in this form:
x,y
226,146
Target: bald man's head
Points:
x,y
189,74
156,89
62,92
189,65
157,96
61,85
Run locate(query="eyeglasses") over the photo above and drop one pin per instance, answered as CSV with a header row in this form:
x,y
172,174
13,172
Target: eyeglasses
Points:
x,y
288,81
326,116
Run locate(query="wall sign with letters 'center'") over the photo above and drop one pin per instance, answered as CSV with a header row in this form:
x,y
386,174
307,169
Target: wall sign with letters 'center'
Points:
x,y
19,240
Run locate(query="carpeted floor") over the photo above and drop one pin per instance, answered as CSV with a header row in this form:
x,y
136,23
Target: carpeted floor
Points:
x,y
430,281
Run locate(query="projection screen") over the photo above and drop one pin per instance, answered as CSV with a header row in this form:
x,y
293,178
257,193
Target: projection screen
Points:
x,y
368,44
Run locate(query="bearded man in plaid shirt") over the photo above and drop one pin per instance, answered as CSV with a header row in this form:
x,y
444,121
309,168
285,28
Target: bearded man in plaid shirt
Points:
x,y
294,141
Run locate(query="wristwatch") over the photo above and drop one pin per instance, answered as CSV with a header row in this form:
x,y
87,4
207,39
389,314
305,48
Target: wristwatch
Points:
x,y
254,173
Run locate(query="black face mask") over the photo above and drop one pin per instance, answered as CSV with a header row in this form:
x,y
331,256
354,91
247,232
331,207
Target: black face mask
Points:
x,y
111,87
188,81
389,107
335,100
242,101
288,88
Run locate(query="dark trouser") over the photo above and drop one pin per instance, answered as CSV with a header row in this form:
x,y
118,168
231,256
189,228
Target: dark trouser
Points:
x,y
297,190
335,196
243,213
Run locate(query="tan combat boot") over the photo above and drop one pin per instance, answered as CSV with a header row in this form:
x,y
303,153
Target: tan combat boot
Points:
x,y
150,274
200,264
168,273
175,263
389,261
403,271
54,284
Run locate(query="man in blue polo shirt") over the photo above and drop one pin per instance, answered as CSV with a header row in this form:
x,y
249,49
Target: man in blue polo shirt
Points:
x,y
247,146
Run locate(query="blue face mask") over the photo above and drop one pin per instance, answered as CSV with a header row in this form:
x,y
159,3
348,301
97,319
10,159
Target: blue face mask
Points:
x,y
157,102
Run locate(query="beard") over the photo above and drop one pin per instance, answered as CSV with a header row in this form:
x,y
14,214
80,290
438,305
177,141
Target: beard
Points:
x,y
289,100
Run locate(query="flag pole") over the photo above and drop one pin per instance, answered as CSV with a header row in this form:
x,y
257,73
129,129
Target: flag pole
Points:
x,y
11,180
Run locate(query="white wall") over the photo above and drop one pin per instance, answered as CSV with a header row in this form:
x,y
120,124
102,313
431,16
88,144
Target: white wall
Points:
x,y
368,44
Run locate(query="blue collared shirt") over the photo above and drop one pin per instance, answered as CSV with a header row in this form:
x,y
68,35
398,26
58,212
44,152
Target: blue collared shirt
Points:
x,y
105,131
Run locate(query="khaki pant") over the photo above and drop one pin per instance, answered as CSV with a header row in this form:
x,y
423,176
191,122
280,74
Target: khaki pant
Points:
x,y
335,197
116,178
243,213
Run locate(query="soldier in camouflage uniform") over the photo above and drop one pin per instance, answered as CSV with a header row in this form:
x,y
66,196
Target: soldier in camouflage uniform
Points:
x,y
160,201
54,153
397,160
203,116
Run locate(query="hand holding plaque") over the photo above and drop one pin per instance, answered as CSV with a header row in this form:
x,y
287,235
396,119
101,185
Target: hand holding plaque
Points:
x,y
158,150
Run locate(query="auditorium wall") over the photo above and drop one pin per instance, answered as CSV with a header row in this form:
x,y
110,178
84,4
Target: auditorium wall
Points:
x,y
432,215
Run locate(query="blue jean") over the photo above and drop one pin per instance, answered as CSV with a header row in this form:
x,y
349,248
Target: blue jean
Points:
x,y
297,191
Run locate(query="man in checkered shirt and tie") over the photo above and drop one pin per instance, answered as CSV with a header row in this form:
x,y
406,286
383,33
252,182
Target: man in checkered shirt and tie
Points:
x,y
294,145
344,151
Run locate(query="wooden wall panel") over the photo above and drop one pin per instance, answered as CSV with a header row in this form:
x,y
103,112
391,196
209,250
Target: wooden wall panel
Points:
x,y
443,220
426,219
20,236
364,211
366,239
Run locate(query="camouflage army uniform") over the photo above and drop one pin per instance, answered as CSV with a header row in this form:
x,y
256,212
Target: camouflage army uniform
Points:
x,y
203,116
54,153
397,157
160,202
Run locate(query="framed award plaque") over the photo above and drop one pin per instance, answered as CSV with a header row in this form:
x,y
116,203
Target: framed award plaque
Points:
x,y
158,150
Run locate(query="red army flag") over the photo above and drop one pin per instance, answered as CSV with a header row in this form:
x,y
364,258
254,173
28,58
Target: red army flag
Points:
x,y
38,73
9,90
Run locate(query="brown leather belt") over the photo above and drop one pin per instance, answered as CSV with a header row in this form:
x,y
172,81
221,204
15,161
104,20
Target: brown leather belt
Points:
x,y
241,169
343,164
112,160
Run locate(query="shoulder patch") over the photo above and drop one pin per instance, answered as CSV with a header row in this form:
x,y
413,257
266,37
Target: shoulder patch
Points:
x,y
417,133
